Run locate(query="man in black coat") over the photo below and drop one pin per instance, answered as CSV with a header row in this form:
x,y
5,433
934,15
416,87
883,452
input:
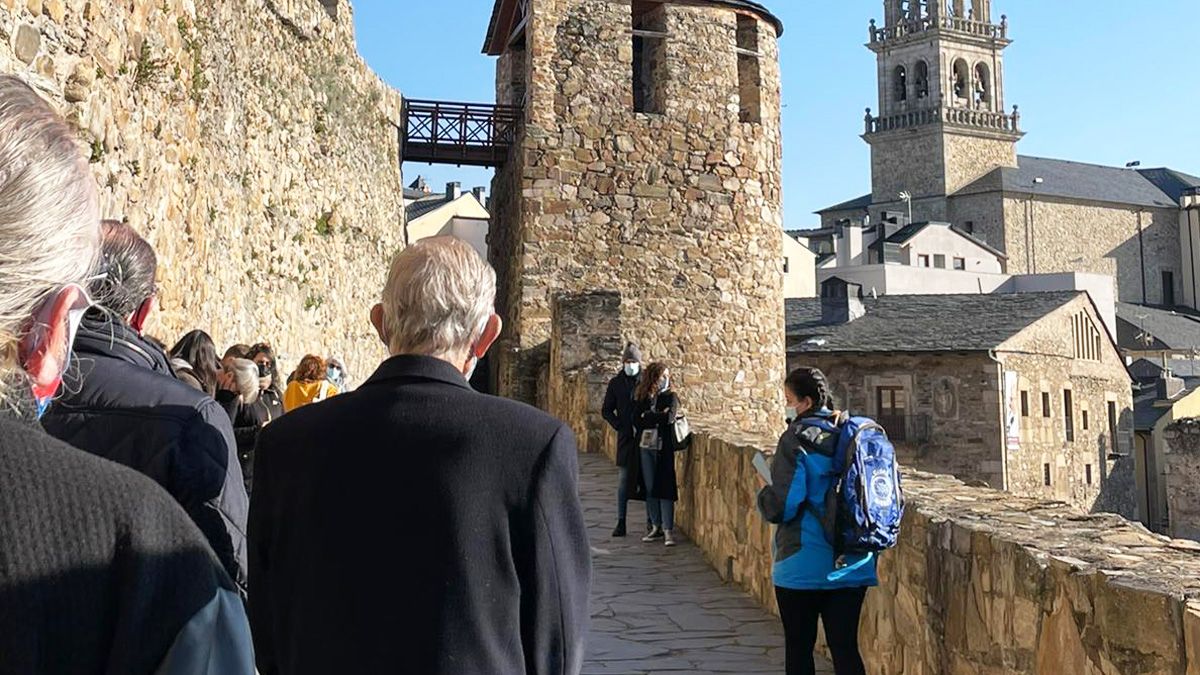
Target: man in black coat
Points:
x,y
618,412
122,403
415,525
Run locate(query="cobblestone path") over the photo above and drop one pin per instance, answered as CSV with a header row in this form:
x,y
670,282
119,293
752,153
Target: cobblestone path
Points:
x,y
658,610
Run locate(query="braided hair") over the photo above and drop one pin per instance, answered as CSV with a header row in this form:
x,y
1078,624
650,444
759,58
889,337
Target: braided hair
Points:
x,y
812,384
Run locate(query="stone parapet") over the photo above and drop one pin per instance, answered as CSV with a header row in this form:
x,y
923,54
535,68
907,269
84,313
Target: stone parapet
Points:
x,y
1183,478
982,582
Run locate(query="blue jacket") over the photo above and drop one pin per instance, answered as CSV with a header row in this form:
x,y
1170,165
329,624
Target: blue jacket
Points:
x,y
795,501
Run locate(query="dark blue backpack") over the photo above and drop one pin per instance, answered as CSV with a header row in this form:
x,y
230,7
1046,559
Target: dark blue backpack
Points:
x,y
865,503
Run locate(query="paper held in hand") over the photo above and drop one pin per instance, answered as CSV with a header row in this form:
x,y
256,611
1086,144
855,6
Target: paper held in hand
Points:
x,y
763,467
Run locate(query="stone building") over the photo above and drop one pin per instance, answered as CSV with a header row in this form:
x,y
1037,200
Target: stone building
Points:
x,y
1164,393
248,142
647,163
944,136
452,213
1183,478
1025,392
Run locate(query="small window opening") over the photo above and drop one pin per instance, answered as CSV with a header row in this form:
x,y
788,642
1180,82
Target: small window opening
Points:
x,y
922,260
900,83
749,71
1087,474
960,264
1069,415
939,261
1024,404
962,76
983,86
1046,474
1086,420
1046,411
921,80
649,56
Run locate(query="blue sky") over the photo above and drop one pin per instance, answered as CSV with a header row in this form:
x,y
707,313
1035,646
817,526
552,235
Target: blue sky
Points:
x,y
1102,81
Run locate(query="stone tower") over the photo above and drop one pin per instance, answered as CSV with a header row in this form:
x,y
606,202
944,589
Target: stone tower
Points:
x,y
942,121
648,164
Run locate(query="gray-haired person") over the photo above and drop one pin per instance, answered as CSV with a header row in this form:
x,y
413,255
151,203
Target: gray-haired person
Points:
x,y
100,570
415,525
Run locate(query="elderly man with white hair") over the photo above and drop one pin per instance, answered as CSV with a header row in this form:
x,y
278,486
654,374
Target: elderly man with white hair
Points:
x,y
100,570
415,525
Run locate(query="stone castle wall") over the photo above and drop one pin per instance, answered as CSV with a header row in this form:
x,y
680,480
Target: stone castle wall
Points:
x,y
1183,478
247,142
982,583
677,211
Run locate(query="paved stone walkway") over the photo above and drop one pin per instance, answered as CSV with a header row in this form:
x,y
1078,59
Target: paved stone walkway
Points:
x,y
658,610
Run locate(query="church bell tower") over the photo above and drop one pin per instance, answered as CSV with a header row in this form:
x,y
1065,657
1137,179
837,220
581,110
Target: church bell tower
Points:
x,y
941,121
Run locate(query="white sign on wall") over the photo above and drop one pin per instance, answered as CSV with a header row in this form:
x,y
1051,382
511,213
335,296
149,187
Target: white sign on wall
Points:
x,y
1012,411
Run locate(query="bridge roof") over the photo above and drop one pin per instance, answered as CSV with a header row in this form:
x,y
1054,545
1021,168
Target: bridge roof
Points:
x,y
505,11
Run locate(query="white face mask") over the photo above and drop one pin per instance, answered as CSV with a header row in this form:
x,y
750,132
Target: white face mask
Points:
x,y
792,413
632,369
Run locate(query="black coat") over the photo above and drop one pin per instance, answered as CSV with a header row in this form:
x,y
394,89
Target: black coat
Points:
x,y
123,404
248,422
618,412
661,416
417,526
101,571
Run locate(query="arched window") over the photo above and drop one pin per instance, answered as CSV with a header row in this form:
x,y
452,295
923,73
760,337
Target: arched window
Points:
x,y
962,80
983,85
922,80
900,83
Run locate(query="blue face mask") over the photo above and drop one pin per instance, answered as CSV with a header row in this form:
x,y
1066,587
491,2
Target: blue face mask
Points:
x,y
333,374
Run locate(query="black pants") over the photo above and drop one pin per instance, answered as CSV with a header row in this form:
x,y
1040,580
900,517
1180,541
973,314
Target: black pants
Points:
x,y
839,610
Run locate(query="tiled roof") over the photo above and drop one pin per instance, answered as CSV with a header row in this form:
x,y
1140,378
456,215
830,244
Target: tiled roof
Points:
x,y
921,323
1148,370
1172,329
1076,180
909,231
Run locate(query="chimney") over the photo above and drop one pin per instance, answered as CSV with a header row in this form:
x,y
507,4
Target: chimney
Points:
x,y
841,302
478,192
453,191
1168,386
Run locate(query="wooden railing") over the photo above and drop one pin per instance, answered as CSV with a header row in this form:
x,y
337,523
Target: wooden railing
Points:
x,y
466,134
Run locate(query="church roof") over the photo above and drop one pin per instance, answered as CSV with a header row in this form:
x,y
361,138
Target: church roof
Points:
x,y
921,323
1089,182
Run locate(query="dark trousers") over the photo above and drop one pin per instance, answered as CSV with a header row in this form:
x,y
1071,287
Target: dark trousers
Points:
x,y
839,610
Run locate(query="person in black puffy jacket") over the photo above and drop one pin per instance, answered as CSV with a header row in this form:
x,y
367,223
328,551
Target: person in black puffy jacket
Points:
x,y
122,403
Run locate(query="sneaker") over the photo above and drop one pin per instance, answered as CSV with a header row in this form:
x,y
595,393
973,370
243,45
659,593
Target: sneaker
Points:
x,y
649,527
655,534
619,530
669,537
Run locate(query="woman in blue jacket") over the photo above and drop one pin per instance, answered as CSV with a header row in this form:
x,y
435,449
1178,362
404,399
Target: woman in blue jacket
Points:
x,y
810,581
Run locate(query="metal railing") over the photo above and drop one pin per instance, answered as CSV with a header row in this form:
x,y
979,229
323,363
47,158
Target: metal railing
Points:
x,y
907,428
471,134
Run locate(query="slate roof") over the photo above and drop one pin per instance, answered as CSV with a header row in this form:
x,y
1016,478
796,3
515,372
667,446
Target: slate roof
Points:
x,y
425,206
413,193
1172,329
855,204
1145,414
921,323
1148,370
1076,180
1170,181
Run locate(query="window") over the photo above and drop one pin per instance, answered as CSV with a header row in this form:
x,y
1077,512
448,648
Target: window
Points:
x,y
900,83
1086,337
1087,424
939,261
983,86
1024,404
649,56
1168,288
1115,446
969,227
1087,474
749,73
786,265
1046,412
960,264
922,80
892,404
922,261
1046,474
962,79
1069,414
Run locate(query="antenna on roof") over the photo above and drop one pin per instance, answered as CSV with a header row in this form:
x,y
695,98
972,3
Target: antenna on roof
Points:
x,y
874,294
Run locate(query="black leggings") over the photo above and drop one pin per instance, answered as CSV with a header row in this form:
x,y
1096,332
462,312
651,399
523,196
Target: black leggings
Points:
x,y
839,610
